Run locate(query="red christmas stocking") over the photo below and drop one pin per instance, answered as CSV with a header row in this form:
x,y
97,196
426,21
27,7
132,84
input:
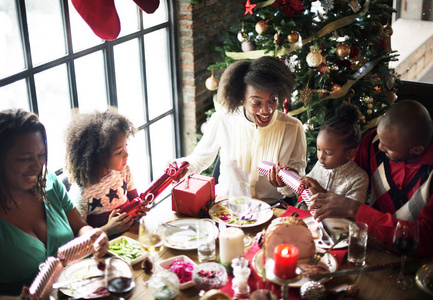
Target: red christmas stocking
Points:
x,y
101,16
148,6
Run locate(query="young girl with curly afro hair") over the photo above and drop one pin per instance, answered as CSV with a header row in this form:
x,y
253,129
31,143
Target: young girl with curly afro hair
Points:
x,y
96,162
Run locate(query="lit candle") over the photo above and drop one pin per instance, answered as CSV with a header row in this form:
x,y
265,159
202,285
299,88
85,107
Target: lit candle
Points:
x,y
231,242
286,260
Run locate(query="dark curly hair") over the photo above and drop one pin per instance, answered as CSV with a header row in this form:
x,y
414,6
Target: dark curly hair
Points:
x,y
345,125
89,139
14,123
266,73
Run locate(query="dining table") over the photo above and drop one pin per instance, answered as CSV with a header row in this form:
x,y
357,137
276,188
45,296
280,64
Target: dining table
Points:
x,y
370,285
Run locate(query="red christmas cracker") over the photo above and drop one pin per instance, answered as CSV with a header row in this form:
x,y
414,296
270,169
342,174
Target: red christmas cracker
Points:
x,y
43,283
291,179
155,188
76,249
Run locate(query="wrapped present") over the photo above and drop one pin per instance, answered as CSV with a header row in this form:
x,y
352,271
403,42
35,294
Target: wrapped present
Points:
x,y
290,178
155,188
42,285
192,194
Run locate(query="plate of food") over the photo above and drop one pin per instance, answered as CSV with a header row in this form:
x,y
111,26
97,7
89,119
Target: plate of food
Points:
x,y
182,266
424,278
85,279
260,212
336,226
327,264
181,234
127,249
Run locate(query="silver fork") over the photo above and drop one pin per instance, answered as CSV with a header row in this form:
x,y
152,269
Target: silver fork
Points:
x,y
183,227
318,255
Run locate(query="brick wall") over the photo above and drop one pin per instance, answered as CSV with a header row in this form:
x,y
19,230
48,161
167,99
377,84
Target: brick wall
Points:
x,y
200,28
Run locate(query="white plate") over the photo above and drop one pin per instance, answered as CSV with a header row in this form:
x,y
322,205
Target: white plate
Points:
x,y
221,213
181,239
130,243
336,226
424,277
85,268
166,264
328,260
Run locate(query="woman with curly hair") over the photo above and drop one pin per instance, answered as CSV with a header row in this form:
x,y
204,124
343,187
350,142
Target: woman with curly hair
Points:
x,y
96,160
36,215
252,130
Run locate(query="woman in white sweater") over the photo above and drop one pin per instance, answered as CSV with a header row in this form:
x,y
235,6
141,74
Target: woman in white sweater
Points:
x,y
251,129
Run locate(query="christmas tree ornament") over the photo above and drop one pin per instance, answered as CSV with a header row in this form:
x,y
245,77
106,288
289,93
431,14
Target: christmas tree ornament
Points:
x,y
312,290
354,5
242,36
278,39
306,95
248,45
343,50
387,29
369,111
369,105
262,27
314,58
323,68
211,83
248,7
293,37
327,5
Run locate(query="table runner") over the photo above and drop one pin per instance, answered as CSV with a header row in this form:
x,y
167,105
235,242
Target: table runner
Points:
x,y
255,281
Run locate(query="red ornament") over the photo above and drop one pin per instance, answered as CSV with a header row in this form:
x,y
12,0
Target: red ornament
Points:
x,y
289,7
323,68
286,106
248,7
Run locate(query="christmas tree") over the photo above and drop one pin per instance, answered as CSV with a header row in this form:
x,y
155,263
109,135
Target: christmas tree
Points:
x,y
338,50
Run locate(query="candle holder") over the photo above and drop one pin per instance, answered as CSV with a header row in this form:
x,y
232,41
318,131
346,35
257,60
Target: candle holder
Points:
x,y
284,283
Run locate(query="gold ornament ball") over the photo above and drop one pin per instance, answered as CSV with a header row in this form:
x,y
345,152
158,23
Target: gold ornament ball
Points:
x,y
293,37
336,87
211,83
278,39
388,29
369,105
314,59
343,50
369,111
262,27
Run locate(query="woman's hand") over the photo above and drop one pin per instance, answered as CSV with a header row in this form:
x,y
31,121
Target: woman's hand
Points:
x,y
117,223
100,242
273,177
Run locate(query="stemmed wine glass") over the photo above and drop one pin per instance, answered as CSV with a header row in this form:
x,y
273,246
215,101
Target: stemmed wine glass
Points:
x,y
150,240
239,203
405,241
119,278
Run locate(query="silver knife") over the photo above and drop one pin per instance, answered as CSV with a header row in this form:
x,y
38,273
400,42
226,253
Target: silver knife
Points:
x,y
59,285
326,233
395,265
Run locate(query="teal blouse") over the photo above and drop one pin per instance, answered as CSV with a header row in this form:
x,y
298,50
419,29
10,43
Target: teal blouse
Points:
x,y
21,254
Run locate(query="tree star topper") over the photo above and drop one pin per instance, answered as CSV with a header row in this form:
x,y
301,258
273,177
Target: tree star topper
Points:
x,y
248,7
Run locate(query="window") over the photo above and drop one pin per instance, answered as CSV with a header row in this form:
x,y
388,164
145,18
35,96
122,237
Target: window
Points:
x,y
51,62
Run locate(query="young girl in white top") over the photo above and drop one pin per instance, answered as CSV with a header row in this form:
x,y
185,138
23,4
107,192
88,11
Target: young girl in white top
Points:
x,y
335,170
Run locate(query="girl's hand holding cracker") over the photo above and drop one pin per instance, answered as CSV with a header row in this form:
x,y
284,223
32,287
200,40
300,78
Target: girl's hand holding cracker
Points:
x,y
312,184
118,223
144,208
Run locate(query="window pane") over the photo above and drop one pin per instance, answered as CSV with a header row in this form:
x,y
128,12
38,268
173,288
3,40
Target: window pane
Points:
x,y
412,38
159,89
11,49
129,81
45,30
14,95
90,75
159,16
138,161
54,110
162,145
82,36
127,11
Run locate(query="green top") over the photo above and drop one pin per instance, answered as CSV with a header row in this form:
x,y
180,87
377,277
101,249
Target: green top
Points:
x,y
21,254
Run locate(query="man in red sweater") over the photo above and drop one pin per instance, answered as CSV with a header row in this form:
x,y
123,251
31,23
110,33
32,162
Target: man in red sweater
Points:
x,y
398,158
